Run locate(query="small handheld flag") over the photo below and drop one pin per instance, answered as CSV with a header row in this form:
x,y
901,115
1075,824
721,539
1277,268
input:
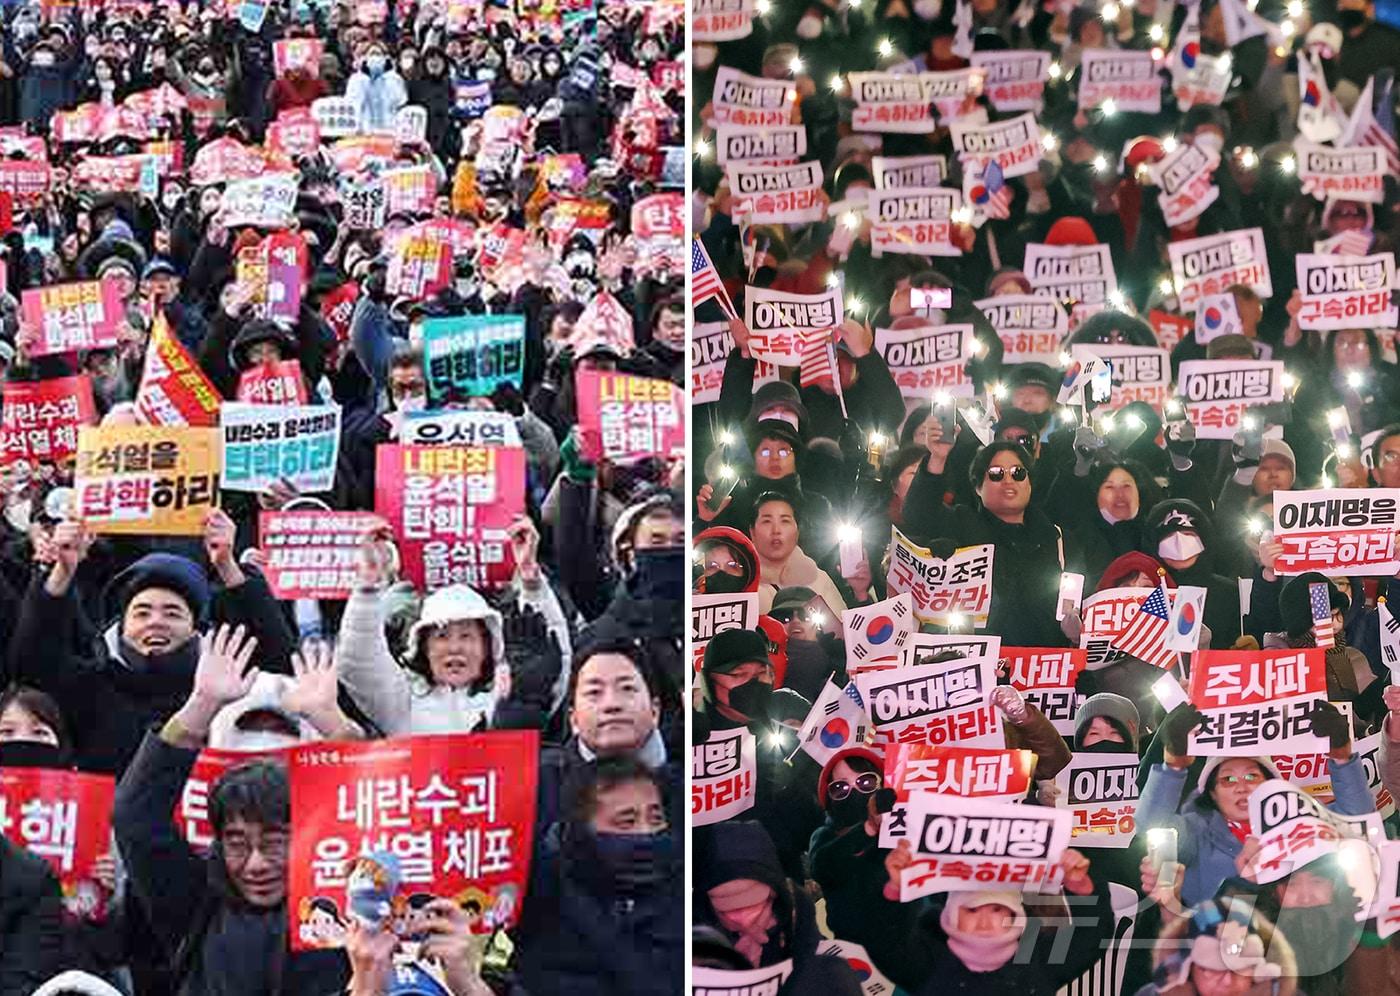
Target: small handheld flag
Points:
x,y
1321,602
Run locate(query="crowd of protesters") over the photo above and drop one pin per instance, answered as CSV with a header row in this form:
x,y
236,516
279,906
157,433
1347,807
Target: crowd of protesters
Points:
x,y
126,654
814,478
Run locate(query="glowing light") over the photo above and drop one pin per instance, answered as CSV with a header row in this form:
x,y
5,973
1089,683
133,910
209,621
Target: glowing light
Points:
x,y
1065,358
726,438
1344,451
1116,299
1133,422
1288,28
1288,164
1165,286
796,64
978,347
775,740
702,148
877,439
1336,418
1109,107
999,391
1067,413
1326,481
1049,142
1174,407
1250,423
1354,379
847,533
1248,158
955,620
941,398
1100,164
1108,422
854,303
854,4
817,619
1255,527
833,280
1156,32
885,48
1109,11
1225,62
1158,836
837,84
851,220
1295,9
726,472
962,215
1289,381
1055,70
762,7
1169,143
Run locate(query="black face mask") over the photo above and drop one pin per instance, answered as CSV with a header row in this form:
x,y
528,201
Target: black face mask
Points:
x,y
32,754
1106,747
720,583
751,698
180,662
850,811
659,573
1350,20
620,863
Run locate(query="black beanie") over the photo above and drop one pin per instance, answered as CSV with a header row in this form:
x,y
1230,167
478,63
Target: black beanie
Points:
x,y
1294,606
733,647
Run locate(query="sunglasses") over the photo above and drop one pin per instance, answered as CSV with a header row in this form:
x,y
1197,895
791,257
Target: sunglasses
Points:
x,y
998,474
866,784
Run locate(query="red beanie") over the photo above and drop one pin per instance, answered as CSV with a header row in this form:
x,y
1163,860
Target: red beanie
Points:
x,y
824,779
1072,231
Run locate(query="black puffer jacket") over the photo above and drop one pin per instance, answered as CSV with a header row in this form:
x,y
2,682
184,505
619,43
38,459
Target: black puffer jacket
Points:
x,y
31,916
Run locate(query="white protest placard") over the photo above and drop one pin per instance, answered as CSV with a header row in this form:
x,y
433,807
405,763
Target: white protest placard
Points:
x,y
366,205
914,221
929,361
335,116
773,145
723,776
1030,326
944,591
710,345
264,444
1012,144
748,100
972,646
752,982
1186,183
941,704
1045,677
1294,830
783,326
411,125
1346,292
1205,81
777,195
880,631
1256,701
1015,80
1352,174
1211,264
971,844
263,202
460,428
1337,531
1129,79
950,90
872,981
903,172
1216,393
1140,373
1082,274
1101,793
711,614
890,102
1103,616
721,20
1387,905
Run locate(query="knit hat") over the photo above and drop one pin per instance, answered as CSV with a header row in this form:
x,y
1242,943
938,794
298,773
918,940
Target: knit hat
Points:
x,y
739,850
824,779
456,603
729,649
786,703
1173,516
74,981
779,394
168,571
1230,347
1277,447
772,428
1071,231
1006,275
1295,606
1129,564
1031,375
115,262
1118,710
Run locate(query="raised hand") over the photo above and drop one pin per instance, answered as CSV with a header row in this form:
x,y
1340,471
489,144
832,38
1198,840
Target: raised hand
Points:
x,y
223,675
69,547
524,546
219,539
377,556
314,688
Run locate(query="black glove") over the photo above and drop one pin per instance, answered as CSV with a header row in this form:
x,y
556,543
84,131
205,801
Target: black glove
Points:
x,y
1088,446
374,286
1177,727
1327,721
1086,684
533,655
507,399
885,799
1181,441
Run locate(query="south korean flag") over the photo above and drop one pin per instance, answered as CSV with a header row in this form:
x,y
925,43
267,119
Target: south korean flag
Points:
x,y
880,631
837,720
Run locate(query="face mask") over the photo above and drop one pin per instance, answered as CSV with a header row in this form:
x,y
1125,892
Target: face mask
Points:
x,y
1106,747
721,583
704,56
850,811
1350,20
42,60
748,920
406,64
751,698
1180,546
635,862
374,65
32,754
659,573
1209,141
809,27
171,200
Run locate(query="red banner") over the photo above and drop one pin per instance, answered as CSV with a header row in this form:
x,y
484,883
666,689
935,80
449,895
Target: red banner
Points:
x,y
277,383
39,419
457,811
338,307
192,810
65,818
965,771
73,316
450,507
26,182
77,126
227,159
623,418
419,268
297,53
174,389
1045,676
458,234
109,174
312,554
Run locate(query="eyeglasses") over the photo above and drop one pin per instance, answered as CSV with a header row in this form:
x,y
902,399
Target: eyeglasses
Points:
x,y
1390,456
1252,778
866,784
273,845
782,453
998,474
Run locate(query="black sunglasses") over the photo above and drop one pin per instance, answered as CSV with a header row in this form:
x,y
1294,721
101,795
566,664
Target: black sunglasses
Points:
x,y
866,784
998,474
1020,440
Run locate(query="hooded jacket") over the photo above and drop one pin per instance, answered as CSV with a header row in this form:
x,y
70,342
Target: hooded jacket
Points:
x,y
401,701
225,947
743,548
1222,613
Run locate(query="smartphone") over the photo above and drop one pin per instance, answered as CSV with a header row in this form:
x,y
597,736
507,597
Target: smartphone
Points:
x,y
1161,851
724,487
1101,384
930,297
947,416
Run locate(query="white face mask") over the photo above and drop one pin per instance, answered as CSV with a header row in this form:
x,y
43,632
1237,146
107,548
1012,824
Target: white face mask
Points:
x,y
809,27
17,514
704,56
1180,546
1209,141
251,740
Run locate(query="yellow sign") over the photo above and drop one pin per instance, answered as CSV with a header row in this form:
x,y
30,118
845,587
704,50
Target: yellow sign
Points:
x,y
147,480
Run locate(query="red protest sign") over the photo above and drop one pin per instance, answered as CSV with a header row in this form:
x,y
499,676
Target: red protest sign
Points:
x,y
174,389
623,418
39,419
109,174
450,507
297,53
312,554
457,811
77,126
192,809
1045,677
458,234
338,307
1257,702
278,383
64,817
226,159
295,132
1170,329
73,316
967,771
410,190
419,268
27,182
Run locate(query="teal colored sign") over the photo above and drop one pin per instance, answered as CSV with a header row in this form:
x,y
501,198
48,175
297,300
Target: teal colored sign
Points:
x,y
469,357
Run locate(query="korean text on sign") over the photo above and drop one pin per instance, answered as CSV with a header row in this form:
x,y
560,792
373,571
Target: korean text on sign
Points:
x,y
456,810
1337,531
1294,829
470,357
73,316
1216,393
960,585
64,817
929,361
460,428
1256,701
39,419
624,418
1045,677
268,443
147,480
711,614
723,776
450,507
940,704
312,554
1101,792
971,772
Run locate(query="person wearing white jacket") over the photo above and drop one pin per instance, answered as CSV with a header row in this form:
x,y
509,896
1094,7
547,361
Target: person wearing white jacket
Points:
x,y
456,672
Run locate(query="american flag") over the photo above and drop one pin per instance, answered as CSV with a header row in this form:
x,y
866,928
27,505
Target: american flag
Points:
x,y
819,369
1145,637
1319,598
704,280
1365,128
